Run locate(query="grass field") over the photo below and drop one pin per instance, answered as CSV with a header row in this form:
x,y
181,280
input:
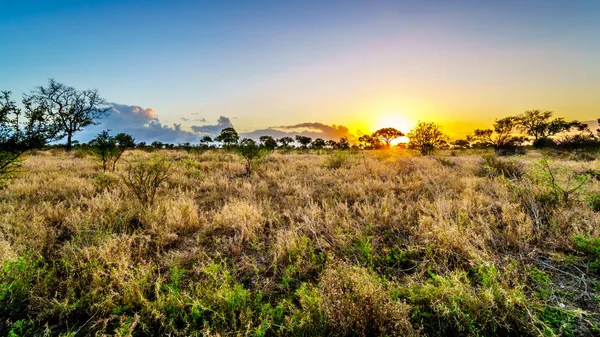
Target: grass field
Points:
x,y
310,244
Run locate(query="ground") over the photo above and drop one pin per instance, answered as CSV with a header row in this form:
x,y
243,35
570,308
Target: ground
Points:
x,y
311,243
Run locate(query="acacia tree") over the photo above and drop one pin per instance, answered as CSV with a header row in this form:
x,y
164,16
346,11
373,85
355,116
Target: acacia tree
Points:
x,y
20,130
68,110
369,142
303,140
332,144
501,137
426,137
285,141
387,135
268,142
228,137
537,124
343,143
317,144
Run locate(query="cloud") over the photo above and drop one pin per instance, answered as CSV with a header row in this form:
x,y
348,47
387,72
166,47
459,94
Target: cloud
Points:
x,y
202,120
139,122
222,123
313,130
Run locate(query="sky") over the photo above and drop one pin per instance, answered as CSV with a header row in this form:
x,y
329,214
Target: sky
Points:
x,y
179,69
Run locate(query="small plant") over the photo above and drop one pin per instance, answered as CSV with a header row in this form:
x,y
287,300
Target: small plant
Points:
x,y
252,153
565,188
590,246
109,149
492,166
144,178
594,201
337,160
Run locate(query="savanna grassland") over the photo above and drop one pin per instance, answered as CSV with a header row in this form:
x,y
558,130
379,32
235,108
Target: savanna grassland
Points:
x,y
342,243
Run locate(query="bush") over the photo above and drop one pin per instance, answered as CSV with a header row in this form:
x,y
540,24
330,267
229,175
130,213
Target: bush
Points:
x,y
144,178
109,149
337,160
492,166
595,202
252,153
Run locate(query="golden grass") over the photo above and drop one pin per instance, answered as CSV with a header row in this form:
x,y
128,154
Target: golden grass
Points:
x,y
309,244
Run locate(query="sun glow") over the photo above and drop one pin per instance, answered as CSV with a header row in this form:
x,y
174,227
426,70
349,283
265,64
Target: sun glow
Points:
x,y
394,120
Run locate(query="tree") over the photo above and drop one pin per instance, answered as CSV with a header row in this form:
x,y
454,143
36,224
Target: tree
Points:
x,y
268,142
21,130
331,144
343,143
109,149
157,145
251,152
386,135
537,124
317,144
426,137
303,140
369,142
461,144
68,110
285,141
501,137
228,137
206,140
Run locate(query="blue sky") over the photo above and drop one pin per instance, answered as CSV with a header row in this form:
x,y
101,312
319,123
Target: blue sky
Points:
x,y
274,63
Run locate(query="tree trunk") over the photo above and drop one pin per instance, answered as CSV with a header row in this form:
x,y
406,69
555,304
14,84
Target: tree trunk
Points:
x,y
69,136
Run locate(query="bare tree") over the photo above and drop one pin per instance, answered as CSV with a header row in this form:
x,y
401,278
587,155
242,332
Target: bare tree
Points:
x,y
69,110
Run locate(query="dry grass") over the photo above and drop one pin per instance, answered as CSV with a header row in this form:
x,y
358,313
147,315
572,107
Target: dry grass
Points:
x,y
374,243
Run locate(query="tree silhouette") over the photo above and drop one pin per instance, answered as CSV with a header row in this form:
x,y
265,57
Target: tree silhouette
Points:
x,y
285,141
20,130
68,110
317,144
228,137
501,137
303,140
268,142
332,144
387,135
343,143
426,137
537,124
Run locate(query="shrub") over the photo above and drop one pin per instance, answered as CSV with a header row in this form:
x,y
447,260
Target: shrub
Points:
x,y
595,202
492,166
337,160
252,153
109,149
144,178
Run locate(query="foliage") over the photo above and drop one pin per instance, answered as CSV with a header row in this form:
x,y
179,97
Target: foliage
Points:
x,y
426,137
285,141
251,152
144,178
304,141
268,142
387,135
109,149
21,130
537,124
228,137
317,144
